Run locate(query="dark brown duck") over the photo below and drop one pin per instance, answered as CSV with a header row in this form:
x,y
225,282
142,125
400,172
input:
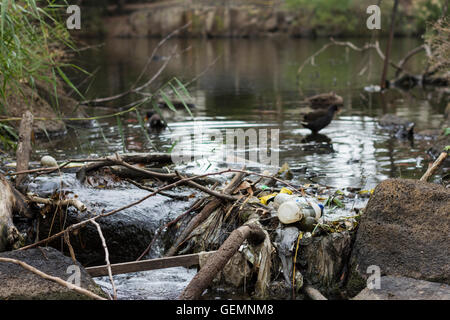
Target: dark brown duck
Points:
x,y
317,120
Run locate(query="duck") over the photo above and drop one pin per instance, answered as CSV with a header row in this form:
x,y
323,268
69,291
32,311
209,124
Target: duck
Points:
x,y
154,120
319,119
324,100
399,127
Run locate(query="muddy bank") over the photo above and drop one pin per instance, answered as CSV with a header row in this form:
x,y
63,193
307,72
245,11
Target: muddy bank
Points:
x,y
48,107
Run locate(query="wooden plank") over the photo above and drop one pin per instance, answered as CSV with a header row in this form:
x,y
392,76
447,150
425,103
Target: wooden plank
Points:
x,y
145,265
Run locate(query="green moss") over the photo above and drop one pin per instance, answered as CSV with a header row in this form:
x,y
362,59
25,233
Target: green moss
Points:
x,y
219,21
355,282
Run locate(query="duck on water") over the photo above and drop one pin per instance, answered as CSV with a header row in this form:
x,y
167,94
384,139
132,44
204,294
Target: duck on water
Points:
x,y
154,120
319,119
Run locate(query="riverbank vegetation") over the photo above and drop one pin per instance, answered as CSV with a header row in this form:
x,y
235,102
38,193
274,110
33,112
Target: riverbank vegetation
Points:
x,y
33,40
345,15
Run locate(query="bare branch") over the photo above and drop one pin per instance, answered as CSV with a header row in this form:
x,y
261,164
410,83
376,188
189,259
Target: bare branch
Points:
x,y
432,169
108,264
67,202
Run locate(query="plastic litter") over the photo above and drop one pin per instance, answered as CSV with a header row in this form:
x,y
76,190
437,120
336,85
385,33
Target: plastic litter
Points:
x,y
296,208
266,199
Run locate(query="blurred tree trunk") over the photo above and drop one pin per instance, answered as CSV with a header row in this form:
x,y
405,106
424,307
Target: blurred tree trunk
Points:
x,y
388,47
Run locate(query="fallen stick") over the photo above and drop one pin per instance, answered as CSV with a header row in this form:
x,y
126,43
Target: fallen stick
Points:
x,y
207,210
218,261
67,202
108,264
213,193
187,260
196,205
52,278
432,169
165,194
313,293
23,152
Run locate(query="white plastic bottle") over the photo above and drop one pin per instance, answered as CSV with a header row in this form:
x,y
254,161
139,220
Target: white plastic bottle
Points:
x,y
297,208
281,198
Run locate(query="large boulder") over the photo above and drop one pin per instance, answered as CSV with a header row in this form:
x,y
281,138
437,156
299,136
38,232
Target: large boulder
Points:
x,y
18,283
401,288
127,233
405,232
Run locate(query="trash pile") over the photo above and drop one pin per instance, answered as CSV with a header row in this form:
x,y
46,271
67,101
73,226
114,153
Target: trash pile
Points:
x,y
273,239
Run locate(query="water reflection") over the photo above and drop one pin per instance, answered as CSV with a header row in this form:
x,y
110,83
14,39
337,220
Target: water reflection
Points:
x,y
254,85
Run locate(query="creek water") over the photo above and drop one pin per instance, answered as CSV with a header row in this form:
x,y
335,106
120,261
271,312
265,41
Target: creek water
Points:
x,y
253,84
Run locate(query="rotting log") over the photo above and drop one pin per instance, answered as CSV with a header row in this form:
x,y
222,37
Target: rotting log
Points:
x,y
124,169
11,201
206,211
145,158
252,233
24,149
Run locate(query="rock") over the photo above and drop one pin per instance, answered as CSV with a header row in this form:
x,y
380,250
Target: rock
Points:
x,y
48,161
447,112
405,231
19,283
127,232
401,288
271,25
398,126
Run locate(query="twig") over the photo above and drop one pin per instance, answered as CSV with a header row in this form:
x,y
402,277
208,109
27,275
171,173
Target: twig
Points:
x,y
67,202
350,45
160,43
222,196
54,279
67,241
196,205
108,264
133,88
432,169
410,54
166,194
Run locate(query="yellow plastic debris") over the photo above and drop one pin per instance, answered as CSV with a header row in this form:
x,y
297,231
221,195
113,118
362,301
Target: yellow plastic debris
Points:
x,y
285,190
265,199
